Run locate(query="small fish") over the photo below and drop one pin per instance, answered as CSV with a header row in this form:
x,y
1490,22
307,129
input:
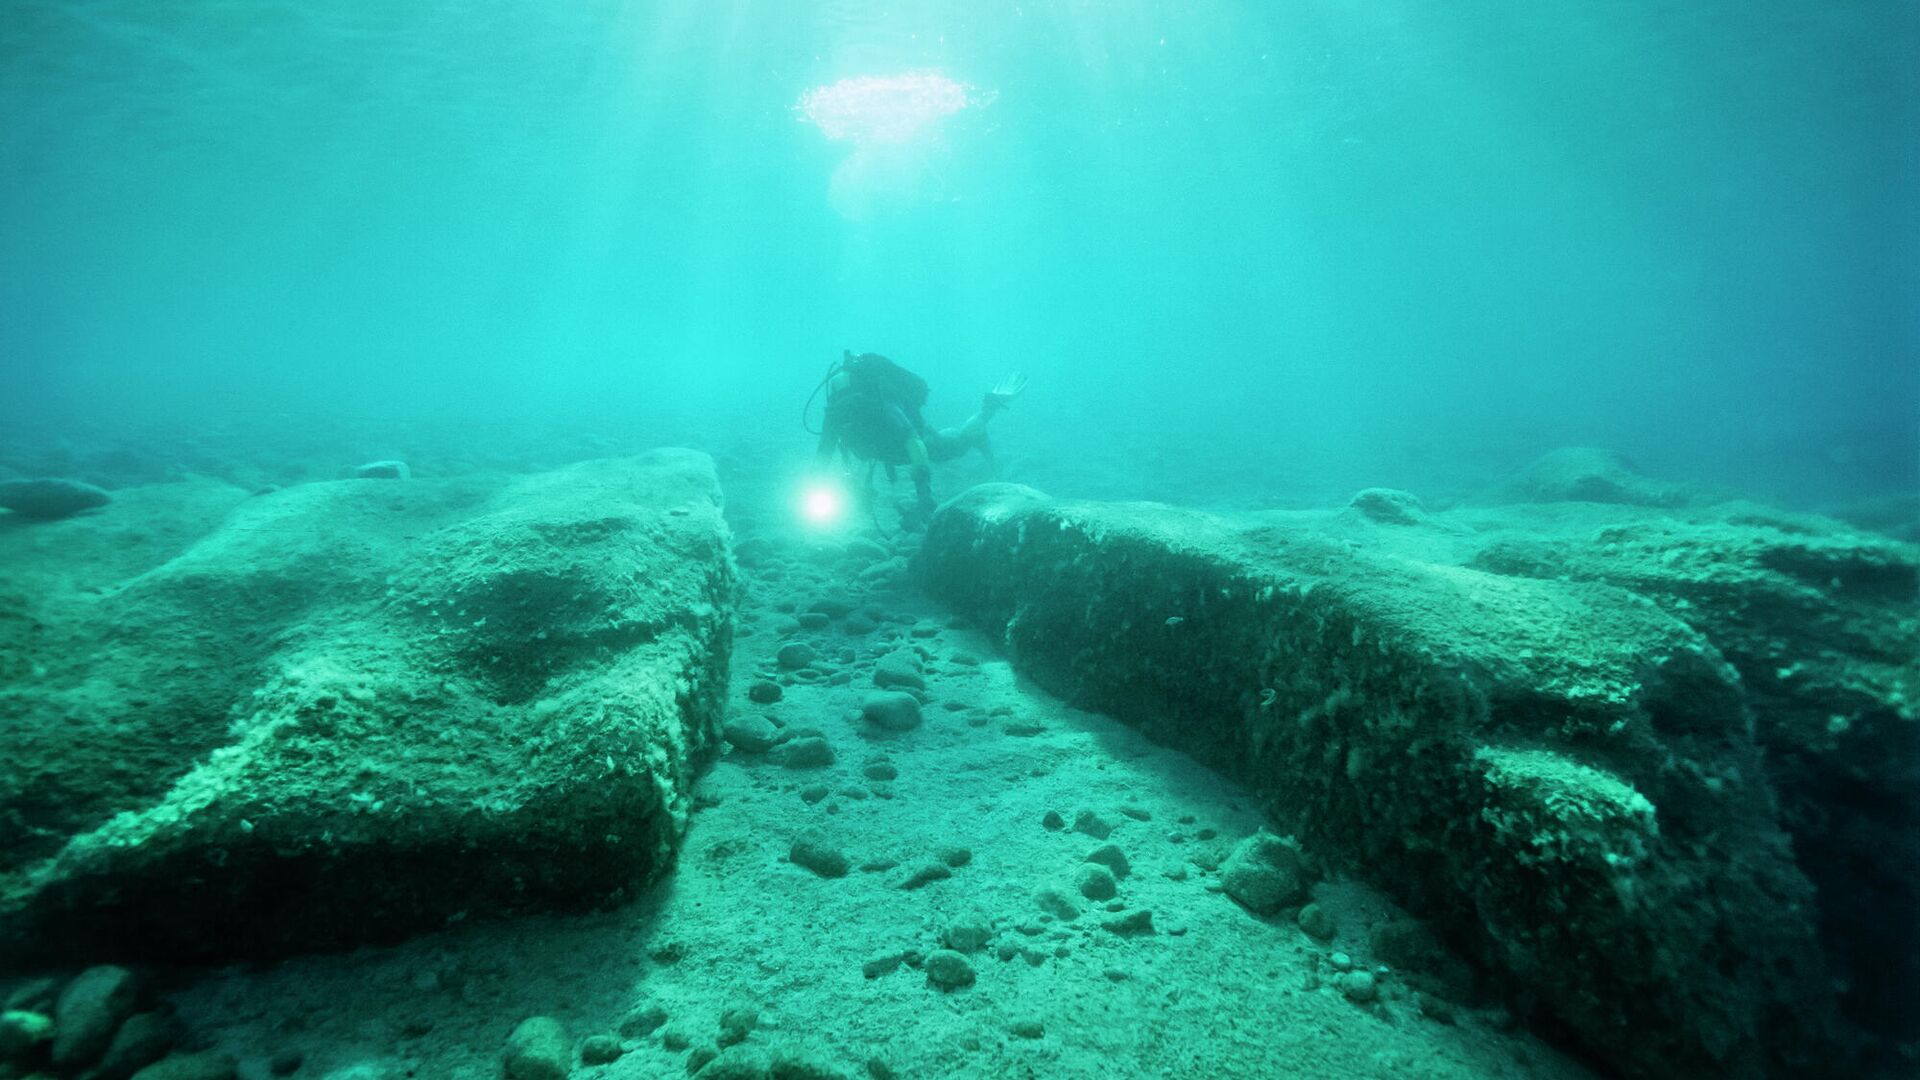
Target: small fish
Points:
x,y
1175,620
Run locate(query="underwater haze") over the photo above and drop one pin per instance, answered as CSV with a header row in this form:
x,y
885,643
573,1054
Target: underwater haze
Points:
x,y
1048,539
1406,241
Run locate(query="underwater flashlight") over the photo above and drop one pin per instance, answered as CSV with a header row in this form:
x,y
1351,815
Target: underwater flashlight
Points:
x,y
823,503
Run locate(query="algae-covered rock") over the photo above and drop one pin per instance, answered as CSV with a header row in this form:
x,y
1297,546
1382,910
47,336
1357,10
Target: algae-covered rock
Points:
x,y
1264,874
49,500
1561,775
91,1008
353,711
1587,474
1821,622
537,1050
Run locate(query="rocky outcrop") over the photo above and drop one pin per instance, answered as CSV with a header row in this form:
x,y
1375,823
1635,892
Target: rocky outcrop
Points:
x,y
1563,771
359,709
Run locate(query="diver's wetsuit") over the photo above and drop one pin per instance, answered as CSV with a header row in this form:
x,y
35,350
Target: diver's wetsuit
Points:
x,y
868,423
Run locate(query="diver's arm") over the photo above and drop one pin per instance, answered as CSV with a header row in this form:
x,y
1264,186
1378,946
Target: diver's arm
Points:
x,y
922,471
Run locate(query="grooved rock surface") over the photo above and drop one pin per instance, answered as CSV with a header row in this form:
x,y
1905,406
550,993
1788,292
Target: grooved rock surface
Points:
x,y
1553,760
348,711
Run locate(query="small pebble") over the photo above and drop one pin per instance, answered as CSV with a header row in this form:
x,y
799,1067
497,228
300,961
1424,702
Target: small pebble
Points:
x,y
1111,857
1359,986
819,855
600,1050
926,873
1092,824
1095,882
808,753
948,970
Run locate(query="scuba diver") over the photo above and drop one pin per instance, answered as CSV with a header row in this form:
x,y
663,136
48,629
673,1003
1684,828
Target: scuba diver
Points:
x,y
873,414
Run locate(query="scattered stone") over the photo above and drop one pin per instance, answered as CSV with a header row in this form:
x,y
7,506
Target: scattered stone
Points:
x,y
765,692
1095,882
21,1032
737,1023
832,606
601,1050
819,855
1132,924
948,970
811,752
1027,1028
1340,962
538,1050
89,1011
1265,873
1358,986
1389,507
144,1039
891,711
790,1064
1136,813
202,1066
858,625
880,770
286,1062
34,995
901,669
1053,822
702,1055
675,1038
1023,728
924,873
1091,823
878,866
794,654
643,1022
967,936
884,964
1315,921
955,857
1057,902
1111,857
751,734
383,470
1115,974
813,620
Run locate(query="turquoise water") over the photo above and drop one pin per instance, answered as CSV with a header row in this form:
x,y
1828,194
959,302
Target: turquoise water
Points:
x,y
1407,238
387,641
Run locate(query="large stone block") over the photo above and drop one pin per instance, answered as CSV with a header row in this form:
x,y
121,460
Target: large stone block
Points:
x,y
356,710
1562,774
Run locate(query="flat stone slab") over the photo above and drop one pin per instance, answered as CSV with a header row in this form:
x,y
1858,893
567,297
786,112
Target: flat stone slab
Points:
x,y
1559,770
352,711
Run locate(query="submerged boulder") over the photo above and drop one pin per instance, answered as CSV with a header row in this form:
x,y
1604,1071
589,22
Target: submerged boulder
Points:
x,y
1587,474
1563,775
49,500
345,716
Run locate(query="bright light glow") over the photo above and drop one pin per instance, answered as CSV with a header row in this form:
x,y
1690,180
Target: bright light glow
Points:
x,y
885,108
822,504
